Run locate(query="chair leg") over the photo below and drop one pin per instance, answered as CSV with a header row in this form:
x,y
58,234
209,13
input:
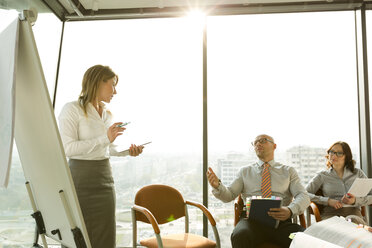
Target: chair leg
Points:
x,y
134,229
217,237
187,221
160,242
308,217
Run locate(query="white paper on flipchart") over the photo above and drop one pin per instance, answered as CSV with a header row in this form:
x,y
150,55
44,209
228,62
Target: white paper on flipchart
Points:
x,y
43,159
8,55
303,240
361,187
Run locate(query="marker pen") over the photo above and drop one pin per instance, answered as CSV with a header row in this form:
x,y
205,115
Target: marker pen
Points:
x,y
123,125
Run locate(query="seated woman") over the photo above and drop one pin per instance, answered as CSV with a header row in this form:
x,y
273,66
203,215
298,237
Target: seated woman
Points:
x,y
335,182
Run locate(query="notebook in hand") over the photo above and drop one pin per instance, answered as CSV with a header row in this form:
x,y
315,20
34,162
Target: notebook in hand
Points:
x,y
259,208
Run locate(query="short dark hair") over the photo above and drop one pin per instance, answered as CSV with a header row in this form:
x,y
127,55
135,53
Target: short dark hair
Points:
x,y
349,161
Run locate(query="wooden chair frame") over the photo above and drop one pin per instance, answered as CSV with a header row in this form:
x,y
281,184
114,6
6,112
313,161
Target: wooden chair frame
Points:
x,y
152,220
315,209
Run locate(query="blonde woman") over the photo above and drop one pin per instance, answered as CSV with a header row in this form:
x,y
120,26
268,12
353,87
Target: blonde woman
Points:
x,y
88,134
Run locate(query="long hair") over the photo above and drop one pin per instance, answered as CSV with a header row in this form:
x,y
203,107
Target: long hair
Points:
x,y
349,161
91,81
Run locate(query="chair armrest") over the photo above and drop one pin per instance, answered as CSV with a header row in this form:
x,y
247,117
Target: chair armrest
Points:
x,y
205,211
363,210
210,218
238,208
302,220
149,216
315,210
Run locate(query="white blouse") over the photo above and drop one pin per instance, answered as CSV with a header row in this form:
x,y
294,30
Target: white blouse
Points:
x,y
85,136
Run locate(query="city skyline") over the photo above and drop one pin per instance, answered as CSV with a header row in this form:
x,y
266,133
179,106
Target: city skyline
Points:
x,y
130,174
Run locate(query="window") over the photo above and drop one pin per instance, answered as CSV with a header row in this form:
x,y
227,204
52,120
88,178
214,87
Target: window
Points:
x,y
47,32
292,76
369,55
159,63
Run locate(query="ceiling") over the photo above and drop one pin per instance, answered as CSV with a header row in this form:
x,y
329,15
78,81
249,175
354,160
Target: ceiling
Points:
x,y
24,4
79,10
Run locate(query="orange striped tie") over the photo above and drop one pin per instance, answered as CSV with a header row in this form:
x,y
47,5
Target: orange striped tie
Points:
x,y
266,181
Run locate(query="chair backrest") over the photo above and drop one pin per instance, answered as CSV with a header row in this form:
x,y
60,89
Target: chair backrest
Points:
x,y
164,202
238,208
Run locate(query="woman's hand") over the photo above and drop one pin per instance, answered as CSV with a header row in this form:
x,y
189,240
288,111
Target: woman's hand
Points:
x,y
135,150
115,131
334,203
348,199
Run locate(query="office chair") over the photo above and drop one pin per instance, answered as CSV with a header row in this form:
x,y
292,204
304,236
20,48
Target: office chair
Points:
x,y
160,204
238,208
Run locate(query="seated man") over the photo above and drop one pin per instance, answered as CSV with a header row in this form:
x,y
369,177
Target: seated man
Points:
x,y
277,180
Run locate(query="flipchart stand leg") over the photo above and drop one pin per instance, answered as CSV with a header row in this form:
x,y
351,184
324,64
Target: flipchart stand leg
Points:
x,y
36,239
78,236
38,218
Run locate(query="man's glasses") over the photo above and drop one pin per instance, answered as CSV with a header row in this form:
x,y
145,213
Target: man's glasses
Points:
x,y
261,141
338,154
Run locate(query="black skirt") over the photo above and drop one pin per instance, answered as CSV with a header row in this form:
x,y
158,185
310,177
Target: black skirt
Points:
x,y
96,193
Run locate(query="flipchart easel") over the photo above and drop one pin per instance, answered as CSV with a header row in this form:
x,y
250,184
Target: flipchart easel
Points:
x,y
48,180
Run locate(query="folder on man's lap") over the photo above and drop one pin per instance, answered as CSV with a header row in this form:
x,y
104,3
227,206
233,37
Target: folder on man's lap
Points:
x,y
259,208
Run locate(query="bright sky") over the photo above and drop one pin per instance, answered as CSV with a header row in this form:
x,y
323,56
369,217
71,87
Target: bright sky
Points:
x,y
292,76
6,17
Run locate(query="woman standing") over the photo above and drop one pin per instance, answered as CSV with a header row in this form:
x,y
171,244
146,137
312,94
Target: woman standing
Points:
x,y
335,182
88,134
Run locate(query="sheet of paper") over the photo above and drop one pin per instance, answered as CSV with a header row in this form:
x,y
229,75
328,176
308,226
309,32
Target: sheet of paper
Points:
x,y
126,152
361,187
8,55
303,240
337,230
348,206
